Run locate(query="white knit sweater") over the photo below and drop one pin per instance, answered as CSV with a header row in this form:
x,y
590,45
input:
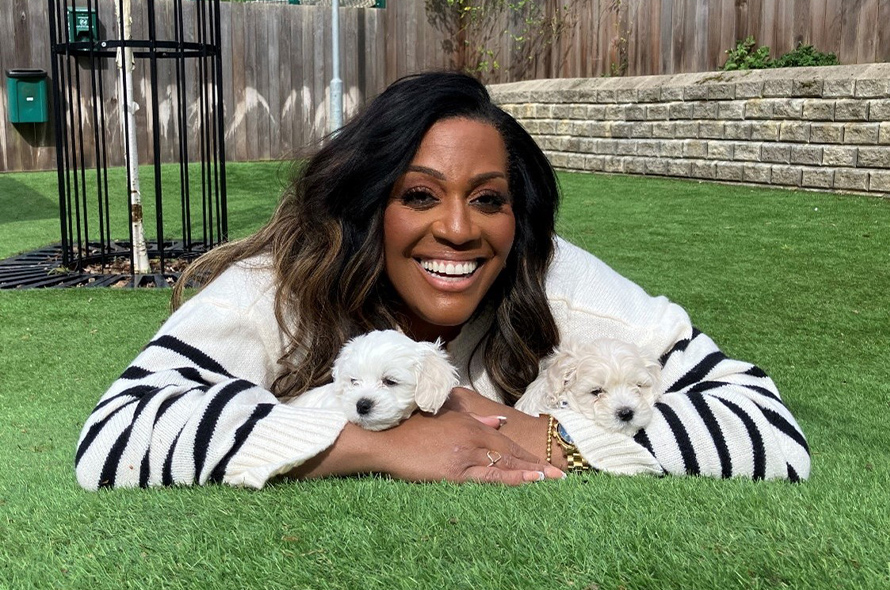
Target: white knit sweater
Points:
x,y
195,405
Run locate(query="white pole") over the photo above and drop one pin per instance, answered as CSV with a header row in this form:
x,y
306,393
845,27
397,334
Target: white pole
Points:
x,y
126,65
336,82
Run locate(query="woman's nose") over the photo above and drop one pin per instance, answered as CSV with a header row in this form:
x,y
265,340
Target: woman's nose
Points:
x,y
455,223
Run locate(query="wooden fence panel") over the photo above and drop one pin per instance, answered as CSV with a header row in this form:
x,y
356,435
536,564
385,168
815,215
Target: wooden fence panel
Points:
x,y
277,59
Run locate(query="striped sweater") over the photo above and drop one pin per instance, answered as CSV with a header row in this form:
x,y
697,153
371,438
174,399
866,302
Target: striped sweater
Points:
x,y
195,406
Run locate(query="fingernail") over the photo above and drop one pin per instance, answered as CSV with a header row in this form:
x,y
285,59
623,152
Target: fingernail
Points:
x,y
502,420
533,476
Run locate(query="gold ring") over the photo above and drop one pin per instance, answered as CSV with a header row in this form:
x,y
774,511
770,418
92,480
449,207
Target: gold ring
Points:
x,y
493,456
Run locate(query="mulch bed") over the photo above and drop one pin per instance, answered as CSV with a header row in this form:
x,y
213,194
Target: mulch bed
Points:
x,y
43,268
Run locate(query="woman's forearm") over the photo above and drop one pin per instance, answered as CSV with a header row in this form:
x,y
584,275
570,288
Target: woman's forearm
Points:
x,y
353,452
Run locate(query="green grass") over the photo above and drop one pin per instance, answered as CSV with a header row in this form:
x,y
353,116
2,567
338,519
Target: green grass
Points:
x,y
29,203
796,282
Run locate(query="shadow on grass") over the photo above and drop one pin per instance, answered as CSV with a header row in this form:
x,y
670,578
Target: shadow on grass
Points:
x,y
20,202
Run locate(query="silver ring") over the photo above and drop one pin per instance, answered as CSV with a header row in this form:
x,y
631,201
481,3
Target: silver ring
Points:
x,y
494,457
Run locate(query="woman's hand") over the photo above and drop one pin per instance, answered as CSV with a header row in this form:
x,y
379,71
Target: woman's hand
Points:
x,y
529,432
450,445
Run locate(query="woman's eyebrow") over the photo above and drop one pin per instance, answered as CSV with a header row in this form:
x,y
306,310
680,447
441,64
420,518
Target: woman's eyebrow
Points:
x,y
428,171
478,179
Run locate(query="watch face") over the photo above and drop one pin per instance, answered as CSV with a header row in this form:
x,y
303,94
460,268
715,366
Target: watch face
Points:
x,y
563,434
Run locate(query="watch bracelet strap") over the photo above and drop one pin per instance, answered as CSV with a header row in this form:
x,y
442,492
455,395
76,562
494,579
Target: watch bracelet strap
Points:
x,y
575,460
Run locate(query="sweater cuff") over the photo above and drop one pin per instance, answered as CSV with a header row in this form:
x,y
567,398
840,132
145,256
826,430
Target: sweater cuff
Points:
x,y
607,451
284,439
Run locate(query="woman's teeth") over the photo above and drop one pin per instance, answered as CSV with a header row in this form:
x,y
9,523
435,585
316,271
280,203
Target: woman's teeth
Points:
x,y
452,269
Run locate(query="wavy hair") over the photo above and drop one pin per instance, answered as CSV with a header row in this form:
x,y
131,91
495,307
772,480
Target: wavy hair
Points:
x,y
325,238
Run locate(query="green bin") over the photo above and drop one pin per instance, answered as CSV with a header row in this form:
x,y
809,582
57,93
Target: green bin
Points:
x,y
26,89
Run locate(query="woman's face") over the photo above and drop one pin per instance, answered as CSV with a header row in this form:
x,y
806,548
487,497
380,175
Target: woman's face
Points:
x,y
448,227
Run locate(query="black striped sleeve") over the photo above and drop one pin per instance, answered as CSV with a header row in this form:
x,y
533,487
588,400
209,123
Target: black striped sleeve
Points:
x,y
698,372
643,439
678,347
687,452
197,357
137,391
167,470
94,431
757,447
207,426
782,425
261,411
713,426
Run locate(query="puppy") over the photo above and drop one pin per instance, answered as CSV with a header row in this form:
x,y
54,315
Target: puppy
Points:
x,y
608,381
381,377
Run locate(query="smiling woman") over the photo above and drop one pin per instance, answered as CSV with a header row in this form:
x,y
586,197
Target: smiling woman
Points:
x,y
448,228
431,213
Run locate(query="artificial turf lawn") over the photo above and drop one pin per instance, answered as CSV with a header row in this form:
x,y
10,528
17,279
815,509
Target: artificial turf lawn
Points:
x,y
798,283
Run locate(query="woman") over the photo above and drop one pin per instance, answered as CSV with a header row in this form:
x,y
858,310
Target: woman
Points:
x,y
432,212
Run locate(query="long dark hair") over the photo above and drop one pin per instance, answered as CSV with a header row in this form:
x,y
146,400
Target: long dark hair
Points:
x,y
326,236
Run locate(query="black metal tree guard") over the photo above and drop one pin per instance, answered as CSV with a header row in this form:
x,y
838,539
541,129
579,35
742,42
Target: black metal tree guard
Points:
x,y
93,207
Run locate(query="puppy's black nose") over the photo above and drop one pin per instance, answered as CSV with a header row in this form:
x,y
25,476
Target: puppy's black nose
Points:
x,y
625,414
363,406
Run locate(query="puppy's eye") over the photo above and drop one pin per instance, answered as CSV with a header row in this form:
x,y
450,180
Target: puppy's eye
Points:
x,y
596,391
390,382
354,382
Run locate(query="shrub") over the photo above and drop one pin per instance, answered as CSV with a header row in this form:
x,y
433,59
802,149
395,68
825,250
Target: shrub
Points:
x,y
747,56
803,56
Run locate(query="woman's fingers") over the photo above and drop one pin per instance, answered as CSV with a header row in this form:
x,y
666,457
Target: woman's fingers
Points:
x,y
507,467
490,421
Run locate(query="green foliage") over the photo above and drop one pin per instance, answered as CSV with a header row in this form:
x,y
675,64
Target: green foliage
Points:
x,y
803,56
747,56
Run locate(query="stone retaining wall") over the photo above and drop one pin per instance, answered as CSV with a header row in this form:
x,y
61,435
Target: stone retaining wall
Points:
x,y
824,128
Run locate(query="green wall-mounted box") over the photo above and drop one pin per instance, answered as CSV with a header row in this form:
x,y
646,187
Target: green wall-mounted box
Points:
x,y
26,90
83,25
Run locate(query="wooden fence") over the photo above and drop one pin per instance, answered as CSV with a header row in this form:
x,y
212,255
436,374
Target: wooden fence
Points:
x,y
277,57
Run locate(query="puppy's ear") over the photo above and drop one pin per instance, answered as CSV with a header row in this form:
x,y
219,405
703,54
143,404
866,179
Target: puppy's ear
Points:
x,y
343,358
436,377
561,374
653,367
543,393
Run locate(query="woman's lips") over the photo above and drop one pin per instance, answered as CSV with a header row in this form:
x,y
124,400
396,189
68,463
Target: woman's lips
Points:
x,y
450,275
450,268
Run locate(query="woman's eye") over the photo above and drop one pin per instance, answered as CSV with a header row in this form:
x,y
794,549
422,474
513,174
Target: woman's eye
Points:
x,y
419,198
490,202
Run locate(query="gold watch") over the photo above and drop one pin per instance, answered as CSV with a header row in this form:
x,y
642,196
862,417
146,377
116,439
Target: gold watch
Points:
x,y
576,461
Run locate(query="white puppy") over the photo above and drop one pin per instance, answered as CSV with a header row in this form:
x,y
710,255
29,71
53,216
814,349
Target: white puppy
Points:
x,y
608,381
381,377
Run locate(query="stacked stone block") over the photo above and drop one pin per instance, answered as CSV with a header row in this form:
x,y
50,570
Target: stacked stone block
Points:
x,y
822,128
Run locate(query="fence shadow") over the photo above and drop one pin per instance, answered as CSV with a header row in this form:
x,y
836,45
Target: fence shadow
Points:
x,y
21,202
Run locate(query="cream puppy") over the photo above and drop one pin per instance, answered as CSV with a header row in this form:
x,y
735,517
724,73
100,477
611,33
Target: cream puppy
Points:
x,y
382,377
608,381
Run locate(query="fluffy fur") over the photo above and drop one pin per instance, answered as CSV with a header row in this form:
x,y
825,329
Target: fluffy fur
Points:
x,y
608,381
382,377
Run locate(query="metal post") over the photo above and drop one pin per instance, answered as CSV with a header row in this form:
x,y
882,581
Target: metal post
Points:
x,y
336,82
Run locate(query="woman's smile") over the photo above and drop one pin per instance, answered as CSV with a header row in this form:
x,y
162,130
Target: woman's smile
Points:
x,y
449,227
